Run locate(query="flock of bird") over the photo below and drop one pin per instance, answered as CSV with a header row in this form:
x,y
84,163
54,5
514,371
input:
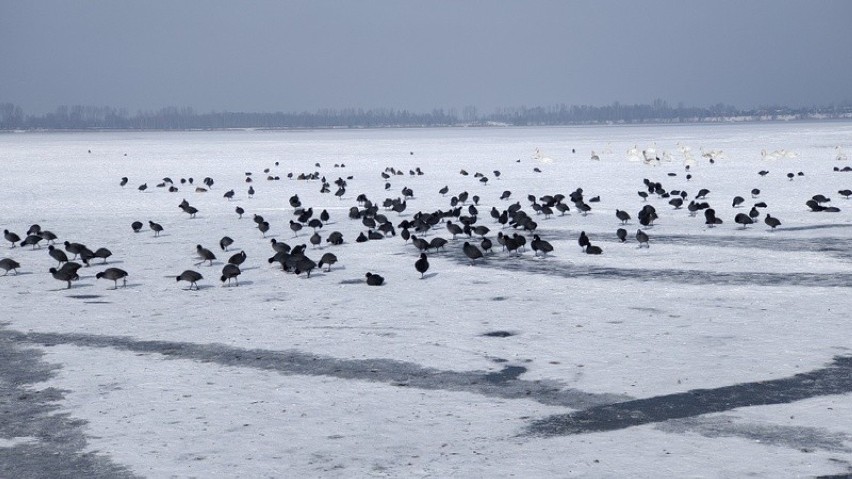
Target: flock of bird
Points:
x,y
517,226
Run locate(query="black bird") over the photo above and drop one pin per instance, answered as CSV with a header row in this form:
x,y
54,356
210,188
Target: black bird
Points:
x,y
155,227
238,258
74,248
486,245
593,249
190,210
437,243
583,240
8,264
743,219
64,274
295,227
192,277
86,255
623,216
471,252
621,233
70,267
738,200
539,244
454,229
754,213
304,265
481,230
263,227
137,226
315,239
31,240
755,192
328,259
374,279
335,238
11,237
48,236
230,271
229,194
205,254
846,193
771,221
142,187
240,211
102,253
124,181
508,242
419,243
710,218
280,257
113,274
642,238
225,242
422,265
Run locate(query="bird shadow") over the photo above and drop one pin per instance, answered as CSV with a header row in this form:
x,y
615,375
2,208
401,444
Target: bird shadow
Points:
x,y
199,287
72,287
16,274
234,285
429,275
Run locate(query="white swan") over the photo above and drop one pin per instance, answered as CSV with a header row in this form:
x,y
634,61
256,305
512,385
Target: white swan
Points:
x,y
712,154
633,154
769,156
650,155
541,158
787,154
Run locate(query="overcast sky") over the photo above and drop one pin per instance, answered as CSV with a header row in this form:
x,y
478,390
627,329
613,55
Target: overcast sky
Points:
x,y
420,55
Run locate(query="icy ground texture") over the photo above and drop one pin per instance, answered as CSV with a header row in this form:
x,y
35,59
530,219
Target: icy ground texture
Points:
x,y
715,352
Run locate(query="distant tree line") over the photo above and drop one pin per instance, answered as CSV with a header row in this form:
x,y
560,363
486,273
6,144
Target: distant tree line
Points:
x,y
12,117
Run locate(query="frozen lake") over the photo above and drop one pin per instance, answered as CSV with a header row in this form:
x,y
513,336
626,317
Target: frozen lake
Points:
x,y
715,352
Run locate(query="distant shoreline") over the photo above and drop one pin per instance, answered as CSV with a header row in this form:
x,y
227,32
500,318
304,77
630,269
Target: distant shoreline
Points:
x,y
694,122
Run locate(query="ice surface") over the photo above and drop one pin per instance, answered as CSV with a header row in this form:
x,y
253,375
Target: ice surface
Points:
x,y
287,376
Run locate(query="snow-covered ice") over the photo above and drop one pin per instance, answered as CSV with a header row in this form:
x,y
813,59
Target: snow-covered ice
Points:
x,y
715,352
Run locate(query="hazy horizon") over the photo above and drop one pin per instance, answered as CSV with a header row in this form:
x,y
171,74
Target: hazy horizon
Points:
x,y
303,56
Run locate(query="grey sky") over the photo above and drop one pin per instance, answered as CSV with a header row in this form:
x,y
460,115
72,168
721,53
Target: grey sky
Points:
x,y
419,55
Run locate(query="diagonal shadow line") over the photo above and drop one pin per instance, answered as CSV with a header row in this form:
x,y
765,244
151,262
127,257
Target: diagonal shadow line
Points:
x,y
836,378
503,384
560,268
